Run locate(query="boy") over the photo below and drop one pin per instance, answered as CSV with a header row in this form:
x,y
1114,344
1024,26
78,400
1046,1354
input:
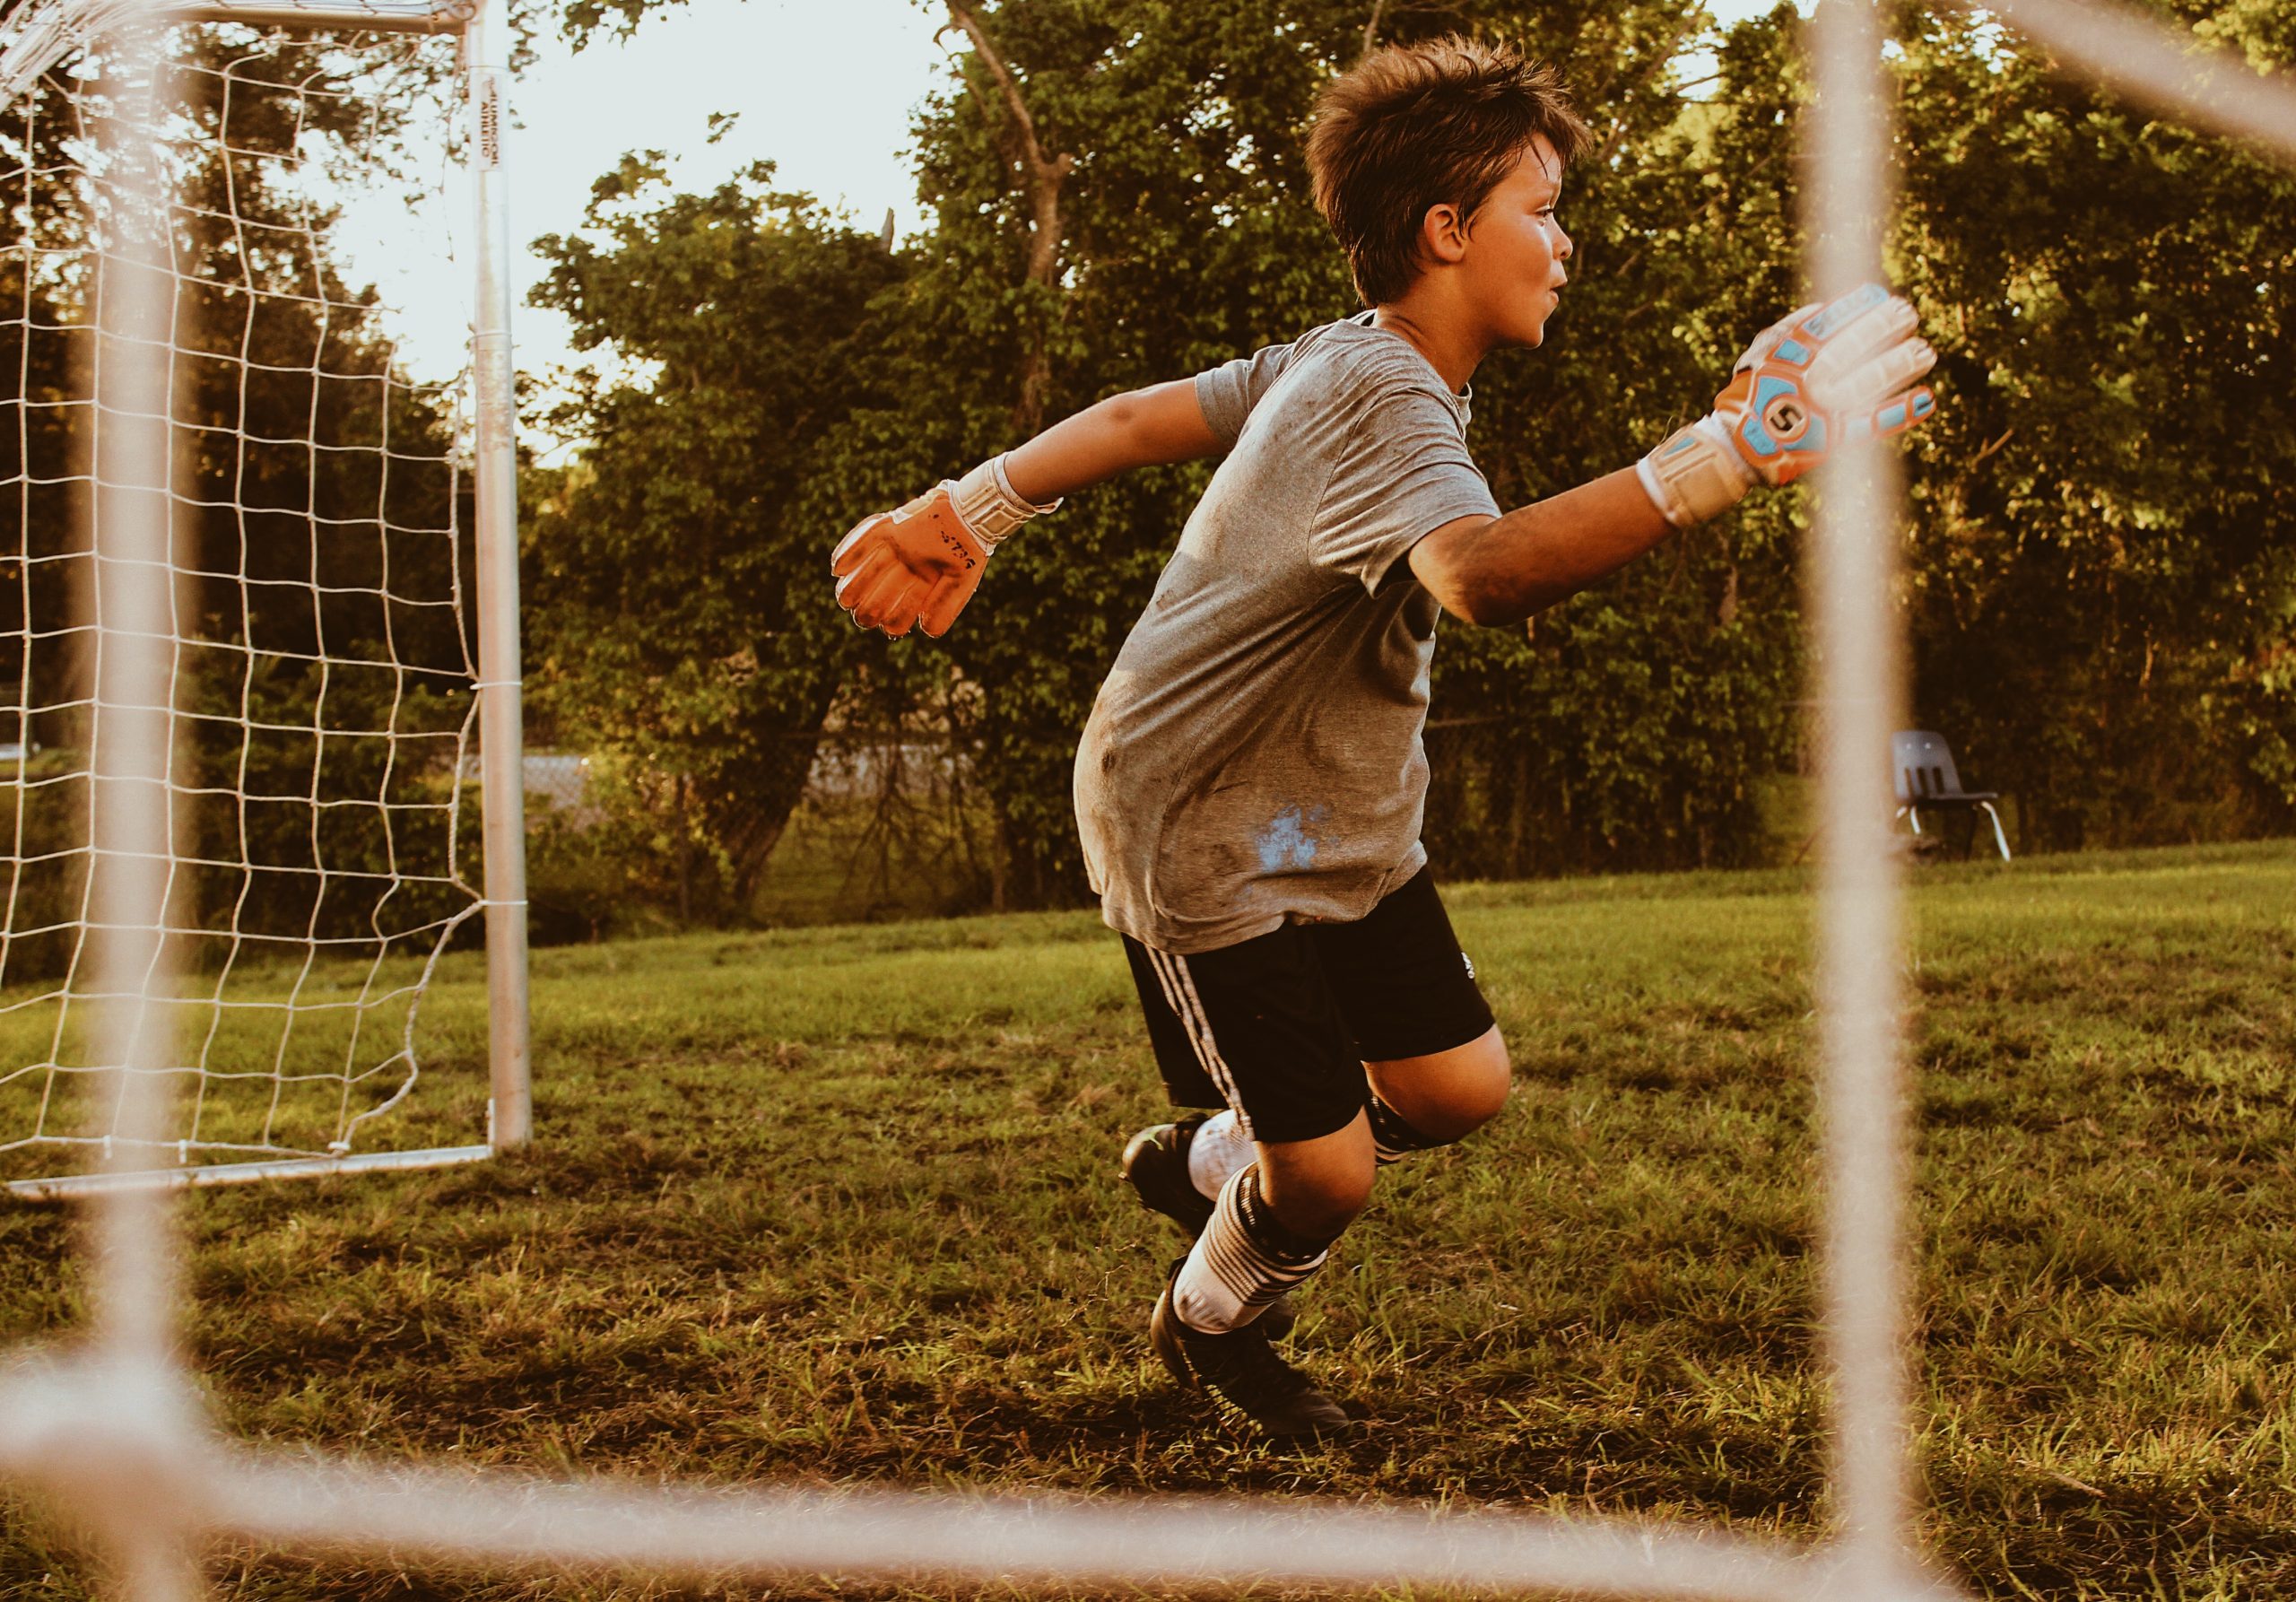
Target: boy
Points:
x,y
1250,784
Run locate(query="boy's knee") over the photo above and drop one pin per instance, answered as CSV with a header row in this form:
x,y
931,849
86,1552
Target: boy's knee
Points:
x,y
1448,1097
1477,1096
1319,1194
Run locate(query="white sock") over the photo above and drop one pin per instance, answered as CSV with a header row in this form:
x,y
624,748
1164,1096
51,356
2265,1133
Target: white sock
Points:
x,y
1243,1260
1220,1149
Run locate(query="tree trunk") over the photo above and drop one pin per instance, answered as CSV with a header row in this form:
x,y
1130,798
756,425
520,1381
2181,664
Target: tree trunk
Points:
x,y
1371,28
999,854
773,795
685,856
1042,177
1518,816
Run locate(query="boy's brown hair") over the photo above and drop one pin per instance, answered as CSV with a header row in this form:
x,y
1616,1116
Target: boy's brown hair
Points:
x,y
1412,126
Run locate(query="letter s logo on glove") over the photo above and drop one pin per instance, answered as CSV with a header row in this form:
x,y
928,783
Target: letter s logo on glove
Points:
x,y
1825,378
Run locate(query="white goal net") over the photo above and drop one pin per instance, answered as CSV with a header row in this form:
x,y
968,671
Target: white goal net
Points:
x,y
115,1432
319,625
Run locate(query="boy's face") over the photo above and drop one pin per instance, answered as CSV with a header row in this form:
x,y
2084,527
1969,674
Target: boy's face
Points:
x,y
1512,268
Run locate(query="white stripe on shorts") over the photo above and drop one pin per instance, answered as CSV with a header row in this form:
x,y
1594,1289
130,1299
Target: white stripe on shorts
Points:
x,y
1179,993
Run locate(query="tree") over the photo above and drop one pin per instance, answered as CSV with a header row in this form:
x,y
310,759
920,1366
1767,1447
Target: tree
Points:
x,y
2102,594
1191,237
682,613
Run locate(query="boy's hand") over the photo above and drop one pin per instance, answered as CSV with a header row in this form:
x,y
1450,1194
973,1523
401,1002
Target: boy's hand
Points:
x,y
918,564
921,565
1820,378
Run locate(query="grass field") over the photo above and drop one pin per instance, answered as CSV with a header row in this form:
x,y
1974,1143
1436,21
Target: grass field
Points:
x,y
837,1206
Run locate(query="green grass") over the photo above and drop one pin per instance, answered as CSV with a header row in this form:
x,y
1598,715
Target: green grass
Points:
x,y
836,1206
284,1078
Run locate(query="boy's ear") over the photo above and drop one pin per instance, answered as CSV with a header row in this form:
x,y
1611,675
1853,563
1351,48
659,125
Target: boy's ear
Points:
x,y
1443,234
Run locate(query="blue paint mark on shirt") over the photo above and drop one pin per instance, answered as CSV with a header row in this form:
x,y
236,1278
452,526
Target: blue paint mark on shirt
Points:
x,y
1288,841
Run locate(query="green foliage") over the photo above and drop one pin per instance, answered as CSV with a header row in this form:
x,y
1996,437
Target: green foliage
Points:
x,y
2103,596
2103,614
682,617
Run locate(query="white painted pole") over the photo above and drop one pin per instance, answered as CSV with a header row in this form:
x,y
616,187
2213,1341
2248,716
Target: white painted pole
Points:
x,y
486,44
131,858
2151,60
1860,662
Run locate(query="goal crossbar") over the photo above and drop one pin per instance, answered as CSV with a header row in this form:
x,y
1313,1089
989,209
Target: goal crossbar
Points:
x,y
386,16
81,1187
41,33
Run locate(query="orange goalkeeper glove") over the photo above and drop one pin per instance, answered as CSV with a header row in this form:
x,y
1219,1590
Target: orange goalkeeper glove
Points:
x,y
919,565
1820,378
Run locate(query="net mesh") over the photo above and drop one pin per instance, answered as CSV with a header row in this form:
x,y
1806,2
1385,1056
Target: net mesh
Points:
x,y
321,663
115,1430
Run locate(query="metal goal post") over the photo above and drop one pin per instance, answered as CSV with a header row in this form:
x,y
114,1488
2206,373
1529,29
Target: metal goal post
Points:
x,y
37,37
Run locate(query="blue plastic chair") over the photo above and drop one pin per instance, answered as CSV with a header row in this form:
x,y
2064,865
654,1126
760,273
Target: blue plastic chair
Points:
x,y
1928,779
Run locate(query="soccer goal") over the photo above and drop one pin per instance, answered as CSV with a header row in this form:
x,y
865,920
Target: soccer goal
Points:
x,y
112,1428
334,608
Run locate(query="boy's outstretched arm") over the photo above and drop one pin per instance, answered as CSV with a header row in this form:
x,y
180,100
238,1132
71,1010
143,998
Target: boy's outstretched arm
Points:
x,y
1502,570
1820,378
920,564
1140,428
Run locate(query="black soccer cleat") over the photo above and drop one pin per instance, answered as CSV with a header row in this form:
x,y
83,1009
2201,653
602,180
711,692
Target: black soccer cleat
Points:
x,y
1244,1375
1155,1165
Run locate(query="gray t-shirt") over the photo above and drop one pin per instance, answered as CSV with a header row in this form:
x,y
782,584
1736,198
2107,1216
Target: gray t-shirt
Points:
x,y
1255,756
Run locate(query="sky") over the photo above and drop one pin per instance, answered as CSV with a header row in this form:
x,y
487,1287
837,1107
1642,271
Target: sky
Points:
x,y
824,89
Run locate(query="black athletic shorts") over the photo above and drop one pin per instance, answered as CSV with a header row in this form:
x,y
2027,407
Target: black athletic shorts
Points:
x,y
1280,1026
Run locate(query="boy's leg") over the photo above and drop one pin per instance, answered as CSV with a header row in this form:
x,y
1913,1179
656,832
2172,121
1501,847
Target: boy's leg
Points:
x,y
1438,1097
1433,1058
1433,1067
1276,1218
1256,1249
1209,1326
1263,1026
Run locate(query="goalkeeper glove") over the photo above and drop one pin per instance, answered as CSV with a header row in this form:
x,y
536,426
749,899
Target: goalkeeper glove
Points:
x,y
920,564
1822,377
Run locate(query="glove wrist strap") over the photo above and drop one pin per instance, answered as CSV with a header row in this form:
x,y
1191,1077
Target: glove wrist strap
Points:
x,y
989,505
1694,474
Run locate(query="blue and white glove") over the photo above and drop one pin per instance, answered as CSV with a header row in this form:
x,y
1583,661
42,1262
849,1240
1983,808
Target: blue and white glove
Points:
x,y
1821,378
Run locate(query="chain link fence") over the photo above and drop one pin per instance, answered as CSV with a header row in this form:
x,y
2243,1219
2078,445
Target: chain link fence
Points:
x,y
892,824
896,822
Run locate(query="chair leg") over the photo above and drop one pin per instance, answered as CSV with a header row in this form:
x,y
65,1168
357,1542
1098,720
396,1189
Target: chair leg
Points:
x,y
1912,815
1999,838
